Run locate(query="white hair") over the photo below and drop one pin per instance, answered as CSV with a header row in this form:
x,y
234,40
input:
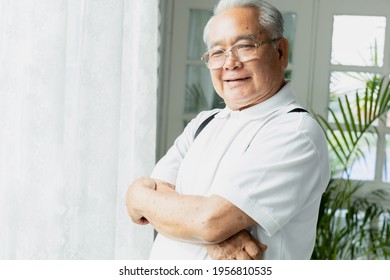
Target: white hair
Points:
x,y
270,17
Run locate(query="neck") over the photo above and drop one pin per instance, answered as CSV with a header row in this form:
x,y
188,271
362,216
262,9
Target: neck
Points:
x,y
277,88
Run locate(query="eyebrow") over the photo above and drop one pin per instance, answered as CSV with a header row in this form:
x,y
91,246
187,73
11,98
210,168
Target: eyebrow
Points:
x,y
238,38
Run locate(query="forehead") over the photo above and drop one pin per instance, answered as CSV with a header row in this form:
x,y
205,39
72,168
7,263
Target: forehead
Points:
x,y
232,24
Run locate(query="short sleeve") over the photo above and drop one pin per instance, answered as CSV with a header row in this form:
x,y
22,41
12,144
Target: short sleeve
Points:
x,y
284,168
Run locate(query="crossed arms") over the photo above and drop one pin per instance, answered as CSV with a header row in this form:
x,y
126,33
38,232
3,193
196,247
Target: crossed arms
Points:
x,y
211,221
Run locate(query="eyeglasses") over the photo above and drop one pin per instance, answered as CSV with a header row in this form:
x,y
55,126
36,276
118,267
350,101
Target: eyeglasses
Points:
x,y
243,52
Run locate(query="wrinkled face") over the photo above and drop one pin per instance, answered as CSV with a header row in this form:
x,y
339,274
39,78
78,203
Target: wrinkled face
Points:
x,y
243,85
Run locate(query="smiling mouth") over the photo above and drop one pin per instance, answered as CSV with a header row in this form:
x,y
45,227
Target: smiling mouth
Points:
x,y
237,80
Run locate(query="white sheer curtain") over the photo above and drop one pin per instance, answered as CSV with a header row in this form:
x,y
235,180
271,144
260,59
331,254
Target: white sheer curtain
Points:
x,y
78,82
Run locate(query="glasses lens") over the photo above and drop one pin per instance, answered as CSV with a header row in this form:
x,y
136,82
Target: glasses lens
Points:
x,y
216,59
241,52
244,52
205,58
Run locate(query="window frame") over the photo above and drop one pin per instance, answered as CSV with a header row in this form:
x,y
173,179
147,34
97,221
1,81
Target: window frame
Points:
x,y
323,66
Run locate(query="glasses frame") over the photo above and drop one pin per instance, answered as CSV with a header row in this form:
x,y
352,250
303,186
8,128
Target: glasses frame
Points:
x,y
256,45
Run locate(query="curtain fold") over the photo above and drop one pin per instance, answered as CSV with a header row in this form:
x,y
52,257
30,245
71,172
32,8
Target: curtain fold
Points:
x,y
78,83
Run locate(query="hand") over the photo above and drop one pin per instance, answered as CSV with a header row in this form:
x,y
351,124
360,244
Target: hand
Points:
x,y
162,186
241,246
134,194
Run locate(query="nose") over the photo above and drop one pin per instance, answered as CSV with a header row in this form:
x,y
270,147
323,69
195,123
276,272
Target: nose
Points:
x,y
231,61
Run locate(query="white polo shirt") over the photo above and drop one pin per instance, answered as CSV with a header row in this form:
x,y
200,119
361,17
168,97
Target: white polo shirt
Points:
x,y
271,164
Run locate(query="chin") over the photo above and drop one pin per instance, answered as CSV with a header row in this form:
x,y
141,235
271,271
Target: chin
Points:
x,y
237,105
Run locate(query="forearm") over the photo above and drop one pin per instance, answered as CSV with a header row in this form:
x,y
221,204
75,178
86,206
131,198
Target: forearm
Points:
x,y
186,217
172,214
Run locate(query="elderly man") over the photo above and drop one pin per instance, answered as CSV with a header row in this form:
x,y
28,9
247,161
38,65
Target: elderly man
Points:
x,y
259,166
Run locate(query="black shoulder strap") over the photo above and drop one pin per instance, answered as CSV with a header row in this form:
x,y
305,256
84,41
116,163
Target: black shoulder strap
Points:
x,y
298,110
209,119
203,125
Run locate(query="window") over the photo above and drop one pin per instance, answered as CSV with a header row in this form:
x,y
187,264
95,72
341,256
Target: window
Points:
x,y
352,51
200,94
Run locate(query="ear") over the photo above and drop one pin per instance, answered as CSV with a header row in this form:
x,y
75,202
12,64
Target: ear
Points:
x,y
282,48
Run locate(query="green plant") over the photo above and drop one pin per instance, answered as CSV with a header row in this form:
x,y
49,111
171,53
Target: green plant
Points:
x,y
350,226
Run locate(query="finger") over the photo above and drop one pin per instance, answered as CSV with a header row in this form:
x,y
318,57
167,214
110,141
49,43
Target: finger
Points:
x,y
253,250
148,182
159,182
164,188
262,246
243,255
